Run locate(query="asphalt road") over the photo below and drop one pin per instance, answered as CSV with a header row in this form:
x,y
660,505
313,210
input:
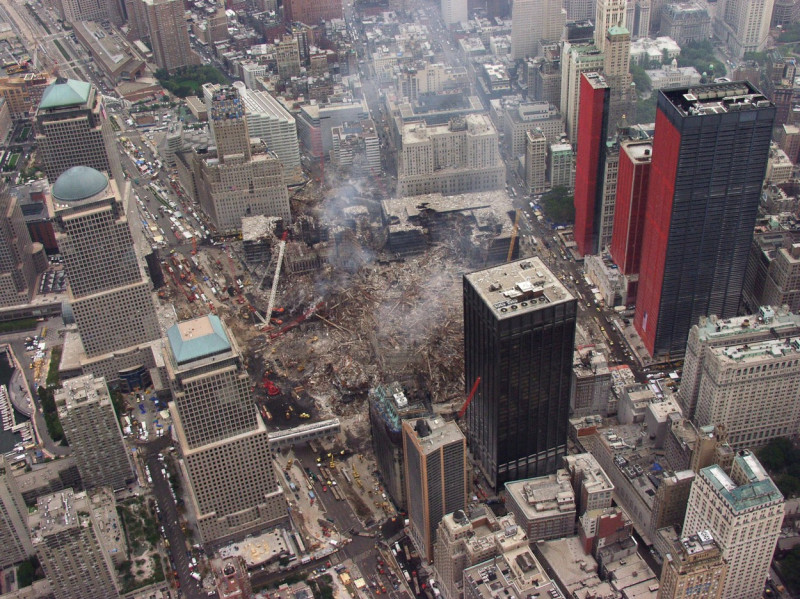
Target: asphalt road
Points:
x,y
171,522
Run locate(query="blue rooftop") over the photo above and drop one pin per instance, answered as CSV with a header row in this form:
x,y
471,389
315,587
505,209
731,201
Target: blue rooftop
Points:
x,y
70,93
198,338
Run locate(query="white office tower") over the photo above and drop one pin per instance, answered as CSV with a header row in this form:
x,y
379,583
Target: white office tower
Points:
x,y
14,537
535,21
268,120
608,14
226,463
743,512
454,11
91,427
743,25
110,297
67,542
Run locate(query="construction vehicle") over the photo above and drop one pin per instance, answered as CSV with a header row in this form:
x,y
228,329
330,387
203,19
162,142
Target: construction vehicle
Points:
x,y
271,388
267,320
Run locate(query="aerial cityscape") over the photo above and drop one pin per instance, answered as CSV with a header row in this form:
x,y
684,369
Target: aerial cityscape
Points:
x,y
467,299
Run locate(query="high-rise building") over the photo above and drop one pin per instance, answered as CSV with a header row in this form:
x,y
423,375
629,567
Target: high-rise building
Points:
x,y
535,161
163,22
633,177
685,22
454,11
694,567
616,70
608,14
461,156
465,538
519,333
544,506
743,513
533,24
669,502
580,10
68,544
312,12
513,573
72,129
74,11
18,264
228,465
14,536
743,25
235,181
593,488
749,388
519,118
561,166
435,454
576,59
269,120
92,430
714,332
388,407
287,56
110,297
710,154
590,162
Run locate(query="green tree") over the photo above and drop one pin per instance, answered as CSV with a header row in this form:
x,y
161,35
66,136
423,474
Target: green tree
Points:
x,y
700,55
26,572
640,78
559,205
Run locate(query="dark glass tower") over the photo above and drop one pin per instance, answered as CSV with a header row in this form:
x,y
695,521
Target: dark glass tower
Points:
x,y
710,153
519,333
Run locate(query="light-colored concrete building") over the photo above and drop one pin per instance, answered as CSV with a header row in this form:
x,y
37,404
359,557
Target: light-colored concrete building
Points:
x,y
356,149
14,536
514,573
713,332
92,430
74,11
316,121
69,546
743,513
72,129
6,122
672,75
227,463
694,567
575,60
461,156
454,11
468,537
163,23
593,489
535,161
18,255
608,14
269,120
530,116
750,389
743,25
544,507
561,166
435,454
236,181
534,22
111,299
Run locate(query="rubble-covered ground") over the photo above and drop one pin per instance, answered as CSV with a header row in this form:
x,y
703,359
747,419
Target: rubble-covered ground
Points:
x,y
366,318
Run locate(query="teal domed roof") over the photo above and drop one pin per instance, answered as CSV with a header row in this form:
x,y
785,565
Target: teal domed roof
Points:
x,y
79,183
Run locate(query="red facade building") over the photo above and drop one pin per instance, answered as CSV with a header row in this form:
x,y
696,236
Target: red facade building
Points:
x,y
710,152
311,12
633,176
590,160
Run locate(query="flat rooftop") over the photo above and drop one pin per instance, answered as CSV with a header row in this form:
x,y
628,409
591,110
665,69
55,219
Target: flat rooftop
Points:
x,y
717,98
518,287
596,80
545,496
56,513
437,434
198,338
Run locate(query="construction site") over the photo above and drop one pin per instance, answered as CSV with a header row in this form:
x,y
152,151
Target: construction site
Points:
x,y
358,291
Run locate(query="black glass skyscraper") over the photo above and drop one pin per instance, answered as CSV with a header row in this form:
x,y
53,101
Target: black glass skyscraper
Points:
x,y
519,334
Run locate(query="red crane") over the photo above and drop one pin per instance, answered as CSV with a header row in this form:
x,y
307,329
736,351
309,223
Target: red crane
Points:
x,y
463,409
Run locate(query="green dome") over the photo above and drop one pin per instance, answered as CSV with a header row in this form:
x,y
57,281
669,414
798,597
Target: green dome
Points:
x,y
79,183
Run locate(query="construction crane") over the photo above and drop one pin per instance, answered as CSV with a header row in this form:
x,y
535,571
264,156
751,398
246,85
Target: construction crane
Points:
x,y
514,232
463,409
274,290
